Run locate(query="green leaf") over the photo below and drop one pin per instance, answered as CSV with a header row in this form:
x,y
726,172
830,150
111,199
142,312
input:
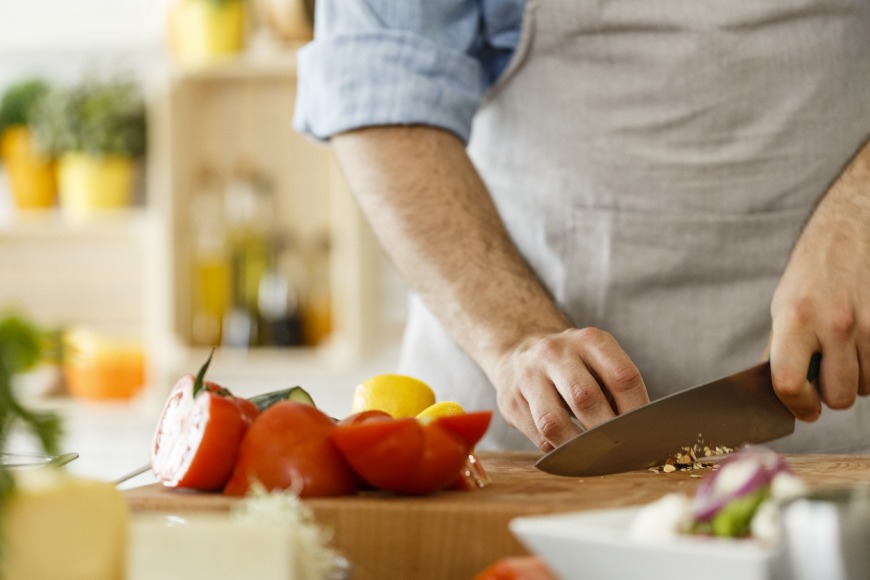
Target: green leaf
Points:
x,y
19,102
21,347
98,116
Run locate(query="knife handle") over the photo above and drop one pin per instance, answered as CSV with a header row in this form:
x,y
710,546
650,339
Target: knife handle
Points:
x,y
813,371
815,363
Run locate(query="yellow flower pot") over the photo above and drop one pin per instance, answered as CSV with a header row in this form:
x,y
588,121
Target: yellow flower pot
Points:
x,y
90,184
201,31
31,175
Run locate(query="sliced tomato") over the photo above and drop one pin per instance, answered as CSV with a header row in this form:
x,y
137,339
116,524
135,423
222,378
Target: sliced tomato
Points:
x,y
471,427
408,456
443,456
365,416
197,439
384,452
288,447
198,436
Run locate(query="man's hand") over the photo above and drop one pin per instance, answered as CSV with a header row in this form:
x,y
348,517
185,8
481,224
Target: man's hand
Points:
x,y
546,379
822,303
436,220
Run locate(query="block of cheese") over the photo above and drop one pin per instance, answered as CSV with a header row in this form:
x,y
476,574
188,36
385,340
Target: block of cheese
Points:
x,y
213,546
267,536
63,527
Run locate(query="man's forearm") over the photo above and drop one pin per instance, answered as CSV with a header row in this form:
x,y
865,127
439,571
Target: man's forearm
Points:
x,y
822,303
436,220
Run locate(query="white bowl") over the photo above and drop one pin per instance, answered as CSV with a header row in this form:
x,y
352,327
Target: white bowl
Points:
x,y
597,545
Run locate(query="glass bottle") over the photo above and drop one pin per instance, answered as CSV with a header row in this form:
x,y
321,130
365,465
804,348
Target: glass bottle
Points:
x,y
317,322
248,211
211,284
279,297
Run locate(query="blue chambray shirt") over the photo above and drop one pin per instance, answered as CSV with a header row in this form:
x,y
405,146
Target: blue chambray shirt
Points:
x,y
386,62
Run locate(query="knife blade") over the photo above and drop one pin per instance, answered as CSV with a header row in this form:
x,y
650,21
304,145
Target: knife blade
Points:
x,y
731,411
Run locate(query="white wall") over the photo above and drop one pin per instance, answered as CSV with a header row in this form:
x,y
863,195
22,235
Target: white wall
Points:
x,y
59,40
59,37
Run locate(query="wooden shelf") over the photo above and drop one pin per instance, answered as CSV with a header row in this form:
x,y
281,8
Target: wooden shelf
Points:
x,y
220,116
53,224
249,65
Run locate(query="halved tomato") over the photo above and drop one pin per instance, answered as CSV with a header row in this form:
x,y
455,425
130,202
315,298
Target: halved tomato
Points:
x,y
197,440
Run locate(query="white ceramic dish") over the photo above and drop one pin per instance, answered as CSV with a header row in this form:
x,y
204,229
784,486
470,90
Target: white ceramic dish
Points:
x,y
597,545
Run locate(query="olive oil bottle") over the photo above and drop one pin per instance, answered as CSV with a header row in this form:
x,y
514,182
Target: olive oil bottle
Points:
x,y
211,272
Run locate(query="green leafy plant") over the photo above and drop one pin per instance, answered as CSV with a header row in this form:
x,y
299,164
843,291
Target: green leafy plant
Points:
x,y
19,101
98,116
21,347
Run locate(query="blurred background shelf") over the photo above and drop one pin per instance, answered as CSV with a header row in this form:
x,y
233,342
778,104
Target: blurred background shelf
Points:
x,y
244,196
51,224
138,271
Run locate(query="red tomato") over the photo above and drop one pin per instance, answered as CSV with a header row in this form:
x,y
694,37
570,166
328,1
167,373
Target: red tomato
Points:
x,y
197,439
385,453
248,408
289,447
469,426
408,456
517,568
365,416
443,456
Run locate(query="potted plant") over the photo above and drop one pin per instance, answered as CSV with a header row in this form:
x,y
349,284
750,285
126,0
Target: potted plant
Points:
x,y
31,173
97,129
202,31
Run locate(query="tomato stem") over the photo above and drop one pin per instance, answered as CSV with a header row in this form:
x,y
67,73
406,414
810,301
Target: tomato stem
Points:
x,y
199,382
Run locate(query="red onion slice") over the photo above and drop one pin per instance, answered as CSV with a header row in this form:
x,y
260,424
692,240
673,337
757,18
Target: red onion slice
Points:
x,y
760,466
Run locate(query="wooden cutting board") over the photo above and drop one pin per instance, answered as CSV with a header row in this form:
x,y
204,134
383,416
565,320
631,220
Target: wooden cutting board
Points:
x,y
454,535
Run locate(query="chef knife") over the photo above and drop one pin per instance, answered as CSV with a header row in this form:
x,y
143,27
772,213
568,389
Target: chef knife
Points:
x,y
729,412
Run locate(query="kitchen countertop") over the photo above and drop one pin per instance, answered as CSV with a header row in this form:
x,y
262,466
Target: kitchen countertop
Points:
x,y
457,534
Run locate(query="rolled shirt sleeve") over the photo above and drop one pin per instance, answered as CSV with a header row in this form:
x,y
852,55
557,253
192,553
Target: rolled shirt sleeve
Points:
x,y
387,62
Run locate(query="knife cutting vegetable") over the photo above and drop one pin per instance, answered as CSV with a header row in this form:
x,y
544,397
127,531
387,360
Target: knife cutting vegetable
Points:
x,y
732,411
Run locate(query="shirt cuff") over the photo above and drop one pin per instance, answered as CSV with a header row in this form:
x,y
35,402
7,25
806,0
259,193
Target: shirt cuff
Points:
x,y
388,78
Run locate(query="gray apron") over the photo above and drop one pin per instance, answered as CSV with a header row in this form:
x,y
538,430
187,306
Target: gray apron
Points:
x,y
655,161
